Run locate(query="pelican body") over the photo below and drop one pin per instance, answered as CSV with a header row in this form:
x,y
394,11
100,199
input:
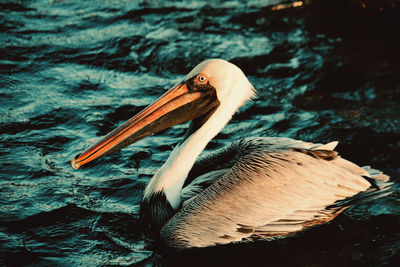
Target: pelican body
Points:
x,y
255,188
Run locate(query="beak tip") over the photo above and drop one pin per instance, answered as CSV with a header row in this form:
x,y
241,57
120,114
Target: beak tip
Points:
x,y
74,163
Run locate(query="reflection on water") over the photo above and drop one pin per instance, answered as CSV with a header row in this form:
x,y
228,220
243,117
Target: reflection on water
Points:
x,y
72,71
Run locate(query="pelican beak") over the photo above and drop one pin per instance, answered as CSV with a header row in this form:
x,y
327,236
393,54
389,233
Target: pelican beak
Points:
x,y
182,103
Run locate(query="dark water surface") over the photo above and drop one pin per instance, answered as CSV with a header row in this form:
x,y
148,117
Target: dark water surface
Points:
x,y
71,71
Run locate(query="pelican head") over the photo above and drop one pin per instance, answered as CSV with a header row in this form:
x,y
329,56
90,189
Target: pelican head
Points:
x,y
213,85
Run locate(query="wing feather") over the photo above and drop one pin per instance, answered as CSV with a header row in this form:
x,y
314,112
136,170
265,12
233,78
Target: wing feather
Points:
x,y
270,190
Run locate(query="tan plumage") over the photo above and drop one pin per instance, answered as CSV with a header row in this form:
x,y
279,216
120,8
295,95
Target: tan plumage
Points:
x,y
265,194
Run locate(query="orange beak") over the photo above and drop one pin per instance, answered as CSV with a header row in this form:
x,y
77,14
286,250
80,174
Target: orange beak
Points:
x,y
176,106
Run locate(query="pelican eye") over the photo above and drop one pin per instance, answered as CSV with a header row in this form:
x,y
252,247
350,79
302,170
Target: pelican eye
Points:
x,y
202,78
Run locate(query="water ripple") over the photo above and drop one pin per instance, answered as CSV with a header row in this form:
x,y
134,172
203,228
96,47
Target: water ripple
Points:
x,y
71,71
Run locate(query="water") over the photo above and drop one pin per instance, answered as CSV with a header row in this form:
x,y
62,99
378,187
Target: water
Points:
x,y
71,71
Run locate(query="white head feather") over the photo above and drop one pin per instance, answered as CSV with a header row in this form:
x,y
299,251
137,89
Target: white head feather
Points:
x,y
229,80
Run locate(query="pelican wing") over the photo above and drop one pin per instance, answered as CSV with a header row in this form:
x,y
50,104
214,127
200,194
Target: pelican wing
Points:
x,y
199,184
275,187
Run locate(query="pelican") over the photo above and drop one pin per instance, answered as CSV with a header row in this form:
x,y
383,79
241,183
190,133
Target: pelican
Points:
x,y
255,188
